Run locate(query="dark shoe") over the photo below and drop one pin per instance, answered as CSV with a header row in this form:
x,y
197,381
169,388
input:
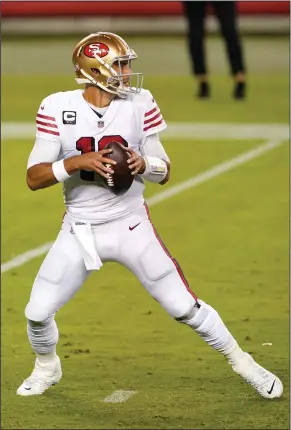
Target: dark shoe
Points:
x,y
203,90
239,91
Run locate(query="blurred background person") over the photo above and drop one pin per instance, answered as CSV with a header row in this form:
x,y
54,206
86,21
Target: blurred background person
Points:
x,y
195,12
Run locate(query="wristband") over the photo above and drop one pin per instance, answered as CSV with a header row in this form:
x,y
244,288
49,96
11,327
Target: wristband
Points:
x,y
156,169
59,171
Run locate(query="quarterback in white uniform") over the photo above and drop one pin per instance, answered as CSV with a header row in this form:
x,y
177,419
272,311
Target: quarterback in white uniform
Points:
x,y
73,129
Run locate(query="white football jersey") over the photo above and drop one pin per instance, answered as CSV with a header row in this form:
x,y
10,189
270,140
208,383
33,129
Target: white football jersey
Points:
x,y
66,118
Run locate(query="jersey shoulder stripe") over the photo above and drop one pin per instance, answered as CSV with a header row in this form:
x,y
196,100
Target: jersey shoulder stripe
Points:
x,y
153,118
49,118
154,124
151,111
55,133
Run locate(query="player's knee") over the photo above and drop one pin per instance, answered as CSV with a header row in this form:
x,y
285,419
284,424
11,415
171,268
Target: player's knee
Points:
x,y
190,314
173,296
163,282
36,312
177,305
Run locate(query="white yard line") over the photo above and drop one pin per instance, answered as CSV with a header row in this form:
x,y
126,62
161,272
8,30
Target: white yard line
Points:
x,y
119,396
234,131
185,130
25,257
215,171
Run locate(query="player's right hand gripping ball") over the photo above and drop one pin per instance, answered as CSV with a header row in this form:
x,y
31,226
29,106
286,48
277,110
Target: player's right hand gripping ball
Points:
x,y
121,180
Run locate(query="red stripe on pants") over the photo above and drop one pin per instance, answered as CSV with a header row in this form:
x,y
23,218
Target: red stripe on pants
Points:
x,y
178,268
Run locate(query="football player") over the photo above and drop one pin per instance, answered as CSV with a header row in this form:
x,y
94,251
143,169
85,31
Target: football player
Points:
x,y
73,128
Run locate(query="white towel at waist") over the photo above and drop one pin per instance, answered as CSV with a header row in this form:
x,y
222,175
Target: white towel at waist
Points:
x,y
84,235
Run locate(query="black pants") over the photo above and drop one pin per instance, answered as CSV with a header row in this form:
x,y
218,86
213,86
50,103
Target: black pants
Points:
x,y
225,11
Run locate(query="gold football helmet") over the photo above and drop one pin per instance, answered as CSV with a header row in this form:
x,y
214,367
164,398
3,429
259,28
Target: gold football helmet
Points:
x,y
93,58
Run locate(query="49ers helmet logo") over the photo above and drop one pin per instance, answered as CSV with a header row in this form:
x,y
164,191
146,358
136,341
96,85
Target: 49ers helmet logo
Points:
x,y
93,49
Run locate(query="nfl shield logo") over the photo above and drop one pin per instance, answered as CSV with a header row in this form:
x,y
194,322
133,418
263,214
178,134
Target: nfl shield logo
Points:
x,y
100,124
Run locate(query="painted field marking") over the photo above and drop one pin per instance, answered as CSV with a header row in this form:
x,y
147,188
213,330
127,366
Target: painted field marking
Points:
x,y
163,195
214,171
185,130
25,257
119,396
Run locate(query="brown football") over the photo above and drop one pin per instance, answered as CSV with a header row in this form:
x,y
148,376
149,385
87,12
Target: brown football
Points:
x,y
121,180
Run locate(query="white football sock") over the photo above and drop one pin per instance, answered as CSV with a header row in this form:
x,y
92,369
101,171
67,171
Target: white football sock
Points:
x,y
208,324
43,337
46,358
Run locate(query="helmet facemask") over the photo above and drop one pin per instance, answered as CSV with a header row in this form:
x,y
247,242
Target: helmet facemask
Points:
x,y
125,83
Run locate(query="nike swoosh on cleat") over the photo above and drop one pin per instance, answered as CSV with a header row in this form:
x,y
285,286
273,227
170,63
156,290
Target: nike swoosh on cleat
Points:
x,y
27,388
269,392
132,228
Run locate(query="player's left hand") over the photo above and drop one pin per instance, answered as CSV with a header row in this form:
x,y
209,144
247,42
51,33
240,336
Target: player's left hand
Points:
x,y
136,162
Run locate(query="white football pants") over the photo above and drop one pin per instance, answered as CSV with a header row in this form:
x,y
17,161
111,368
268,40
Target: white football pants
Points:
x,y
132,242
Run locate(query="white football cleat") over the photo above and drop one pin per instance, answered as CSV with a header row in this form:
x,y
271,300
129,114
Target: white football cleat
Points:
x,y
266,383
43,376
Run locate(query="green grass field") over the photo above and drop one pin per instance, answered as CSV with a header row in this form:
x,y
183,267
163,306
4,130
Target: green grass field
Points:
x,y
231,237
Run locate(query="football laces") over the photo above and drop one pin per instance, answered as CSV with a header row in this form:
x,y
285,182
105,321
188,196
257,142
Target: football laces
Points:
x,y
109,179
